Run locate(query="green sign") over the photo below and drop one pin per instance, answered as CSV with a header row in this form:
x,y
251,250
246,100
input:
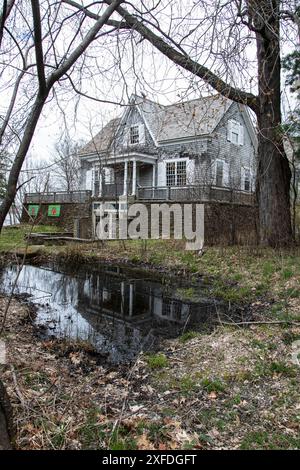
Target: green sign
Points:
x,y
33,210
54,210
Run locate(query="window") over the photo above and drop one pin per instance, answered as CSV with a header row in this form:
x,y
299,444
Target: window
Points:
x,y
234,137
246,179
96,183
235,132
181,174
134,135
171,173
176,173
109,175
221,173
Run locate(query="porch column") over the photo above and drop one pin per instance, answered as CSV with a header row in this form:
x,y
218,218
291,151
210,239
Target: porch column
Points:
x,y
153,181
153,176
134,178
125,177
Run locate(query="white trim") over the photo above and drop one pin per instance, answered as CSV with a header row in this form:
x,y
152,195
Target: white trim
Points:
x,y
130,156
249,125
129,134
243,179
176,159
186,140
225,164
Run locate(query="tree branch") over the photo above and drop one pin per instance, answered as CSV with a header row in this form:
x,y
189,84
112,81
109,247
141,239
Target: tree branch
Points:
x,y
94,16
235,94
7,6
102,20
37,27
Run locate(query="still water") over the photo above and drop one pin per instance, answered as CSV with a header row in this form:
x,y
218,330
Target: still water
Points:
x,y
119,311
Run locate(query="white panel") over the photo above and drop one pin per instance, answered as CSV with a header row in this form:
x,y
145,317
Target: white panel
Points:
x,y
225,174
89,180
229,130
190,171
214,172
241,135
242,179
141,134
161,174
108,175
126,136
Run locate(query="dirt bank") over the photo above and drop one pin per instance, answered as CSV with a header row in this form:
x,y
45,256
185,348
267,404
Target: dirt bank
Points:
x,y
233,388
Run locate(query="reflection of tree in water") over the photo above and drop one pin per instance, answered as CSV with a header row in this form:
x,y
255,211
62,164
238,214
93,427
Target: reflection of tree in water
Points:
x,y
117,315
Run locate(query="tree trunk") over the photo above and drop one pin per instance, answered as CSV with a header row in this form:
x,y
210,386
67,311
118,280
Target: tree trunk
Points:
x,y
6,422
274,175
20,157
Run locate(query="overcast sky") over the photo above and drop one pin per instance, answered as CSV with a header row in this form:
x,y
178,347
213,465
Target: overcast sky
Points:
x,y
152,74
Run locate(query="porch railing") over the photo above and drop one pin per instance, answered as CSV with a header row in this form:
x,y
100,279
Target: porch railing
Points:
x,y
164,193
58,197
196,193
112,190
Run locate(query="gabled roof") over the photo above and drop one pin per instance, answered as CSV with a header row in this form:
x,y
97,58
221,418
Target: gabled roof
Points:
x,y
179,121
102,141
192,118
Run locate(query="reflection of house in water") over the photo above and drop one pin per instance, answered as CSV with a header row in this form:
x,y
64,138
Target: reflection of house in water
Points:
x,y
136,302
116,313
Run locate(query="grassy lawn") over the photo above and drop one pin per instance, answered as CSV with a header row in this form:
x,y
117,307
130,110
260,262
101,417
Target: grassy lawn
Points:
x,y
13,238
234,274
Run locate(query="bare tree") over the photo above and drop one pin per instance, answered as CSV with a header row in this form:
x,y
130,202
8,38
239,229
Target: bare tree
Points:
x,y
211,41
55,59
66,169
207,40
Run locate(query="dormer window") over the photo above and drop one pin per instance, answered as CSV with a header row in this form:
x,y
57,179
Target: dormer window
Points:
x,y
134,135
235,132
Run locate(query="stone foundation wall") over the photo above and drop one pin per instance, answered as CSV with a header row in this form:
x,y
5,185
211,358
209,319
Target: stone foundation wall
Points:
x,y
69,212
225,223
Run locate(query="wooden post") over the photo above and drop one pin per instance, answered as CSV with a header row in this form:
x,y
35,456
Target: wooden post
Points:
x,y
125,177
134,178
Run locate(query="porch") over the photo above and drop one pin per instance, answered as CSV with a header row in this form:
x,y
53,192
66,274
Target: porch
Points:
x,y
199,193
59,197
124,178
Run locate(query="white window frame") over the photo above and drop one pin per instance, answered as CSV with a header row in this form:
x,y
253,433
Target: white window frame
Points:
x,y
96,181
243,178
235,128
139,134
133,134
225,173
109,175
176,161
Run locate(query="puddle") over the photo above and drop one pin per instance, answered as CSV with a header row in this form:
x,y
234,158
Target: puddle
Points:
x,y
119,311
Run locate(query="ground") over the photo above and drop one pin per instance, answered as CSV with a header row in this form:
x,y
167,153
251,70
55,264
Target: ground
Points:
x,y
233,388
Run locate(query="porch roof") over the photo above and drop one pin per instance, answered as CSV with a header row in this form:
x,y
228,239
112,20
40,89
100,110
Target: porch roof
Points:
x,y
121,158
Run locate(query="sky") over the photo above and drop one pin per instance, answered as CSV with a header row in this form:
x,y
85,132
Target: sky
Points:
x,y
114,79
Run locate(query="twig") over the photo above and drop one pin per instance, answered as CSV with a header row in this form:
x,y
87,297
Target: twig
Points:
x,y
17,389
